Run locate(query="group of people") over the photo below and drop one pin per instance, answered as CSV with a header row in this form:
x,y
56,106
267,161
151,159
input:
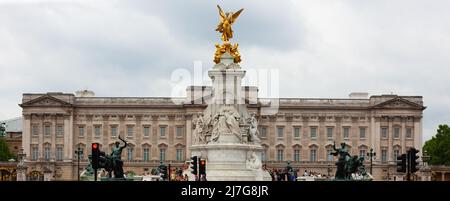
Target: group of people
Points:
x,y
314,174
283,175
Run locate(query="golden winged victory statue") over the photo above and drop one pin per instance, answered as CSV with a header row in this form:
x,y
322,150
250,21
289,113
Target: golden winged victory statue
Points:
x,y
226,20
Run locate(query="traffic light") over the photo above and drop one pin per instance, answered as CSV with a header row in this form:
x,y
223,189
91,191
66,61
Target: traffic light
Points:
x,y
95,155
194,160
412,155
202,167
401,163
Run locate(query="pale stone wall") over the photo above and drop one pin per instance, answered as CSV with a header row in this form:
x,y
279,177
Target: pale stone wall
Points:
x,y
71,112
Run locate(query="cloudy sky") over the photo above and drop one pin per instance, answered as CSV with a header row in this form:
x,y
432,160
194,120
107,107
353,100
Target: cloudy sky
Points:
x,y
321,49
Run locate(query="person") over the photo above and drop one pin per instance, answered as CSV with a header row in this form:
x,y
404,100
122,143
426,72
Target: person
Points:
x,y
306,173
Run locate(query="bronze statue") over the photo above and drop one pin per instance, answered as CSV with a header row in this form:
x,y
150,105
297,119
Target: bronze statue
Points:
x,y
110,163
226,20
342,160
349,166
117,160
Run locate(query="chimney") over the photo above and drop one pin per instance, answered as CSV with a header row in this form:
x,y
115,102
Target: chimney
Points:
x,y
359,95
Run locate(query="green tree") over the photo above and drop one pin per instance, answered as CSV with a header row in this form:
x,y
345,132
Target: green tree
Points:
x,y
5,154
439,146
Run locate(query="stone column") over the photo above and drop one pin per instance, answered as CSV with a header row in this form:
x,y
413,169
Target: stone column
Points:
x,y
376,137
321,139
171,150
66,136
418,133
289,138
26,134
105,136
41,138
154,138
338,136
69,136
89,131
403,134
122,129
272,138
54,118
188,137
304,138
138,137
390,150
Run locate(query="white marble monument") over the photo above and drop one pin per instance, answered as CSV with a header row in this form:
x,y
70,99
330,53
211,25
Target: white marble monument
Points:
x,y
226,135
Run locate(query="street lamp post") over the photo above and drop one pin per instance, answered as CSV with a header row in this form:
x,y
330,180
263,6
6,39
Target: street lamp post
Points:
x,y
78,152
371,154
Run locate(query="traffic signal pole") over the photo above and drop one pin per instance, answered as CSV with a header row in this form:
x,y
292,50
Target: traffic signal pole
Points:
x,y
408,169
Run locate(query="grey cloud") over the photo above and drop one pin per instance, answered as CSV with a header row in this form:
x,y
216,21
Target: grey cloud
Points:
x,y
321,48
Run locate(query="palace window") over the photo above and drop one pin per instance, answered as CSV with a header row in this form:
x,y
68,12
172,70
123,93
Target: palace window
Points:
x,y
47,153
162,154
362,153
35,130
362,133
81,131
146,131
280,132
59,153
330,132
97,130
313,132
409,134
280,154
113,131
59,130
34,153
396,132
329,156
297,155
383,155
179,131
296,132
47,130
146,154
396,154
130,154
180,155
346,132
130,130
313,155
264,155
263,132
162,131
384,132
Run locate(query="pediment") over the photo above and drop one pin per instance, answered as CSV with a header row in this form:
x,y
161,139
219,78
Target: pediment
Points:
x,y
398,103
46,101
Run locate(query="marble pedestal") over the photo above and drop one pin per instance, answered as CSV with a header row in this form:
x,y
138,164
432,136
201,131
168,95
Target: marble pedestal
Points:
x,y
229,162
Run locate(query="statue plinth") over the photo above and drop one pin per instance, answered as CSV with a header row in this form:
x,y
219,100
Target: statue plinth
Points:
x,y
232,161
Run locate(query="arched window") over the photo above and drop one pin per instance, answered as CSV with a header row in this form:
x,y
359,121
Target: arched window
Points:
x,y
146,148
280,153
329,156
313,153
162,152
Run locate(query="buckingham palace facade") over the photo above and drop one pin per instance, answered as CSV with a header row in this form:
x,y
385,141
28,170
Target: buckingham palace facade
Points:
x,y
301,131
